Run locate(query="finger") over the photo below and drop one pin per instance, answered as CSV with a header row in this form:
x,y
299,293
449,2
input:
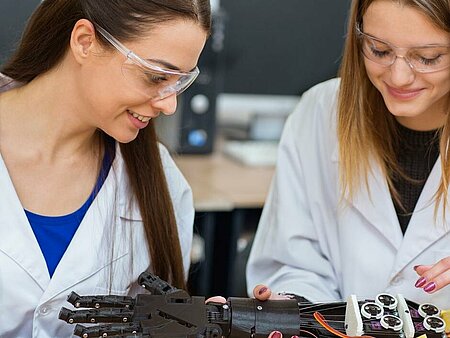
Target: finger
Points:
x,y
261,292
436,277
216,299
438,282
275,334
421,269
437,269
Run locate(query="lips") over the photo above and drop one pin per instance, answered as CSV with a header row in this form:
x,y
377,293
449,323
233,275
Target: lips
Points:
x,y
139,117
404,94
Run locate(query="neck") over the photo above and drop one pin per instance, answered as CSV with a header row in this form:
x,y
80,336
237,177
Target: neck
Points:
x,y
46,117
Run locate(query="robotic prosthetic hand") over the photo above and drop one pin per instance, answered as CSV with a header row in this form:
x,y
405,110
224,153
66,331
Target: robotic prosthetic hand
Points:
x,y
169,312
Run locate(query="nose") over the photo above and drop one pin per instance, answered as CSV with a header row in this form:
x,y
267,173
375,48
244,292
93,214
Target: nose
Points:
x,y
401,72
167,106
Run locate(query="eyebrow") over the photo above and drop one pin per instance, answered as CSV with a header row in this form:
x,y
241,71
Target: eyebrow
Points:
x,y
167,65
415,46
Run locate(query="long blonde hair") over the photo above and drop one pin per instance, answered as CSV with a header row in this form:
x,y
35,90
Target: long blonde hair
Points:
x,y
366,129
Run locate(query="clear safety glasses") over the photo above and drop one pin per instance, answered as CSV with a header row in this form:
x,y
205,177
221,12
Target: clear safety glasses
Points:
x,y
422,59
151,80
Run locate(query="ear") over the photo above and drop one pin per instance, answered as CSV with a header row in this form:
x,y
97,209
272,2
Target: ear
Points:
x,y
82,40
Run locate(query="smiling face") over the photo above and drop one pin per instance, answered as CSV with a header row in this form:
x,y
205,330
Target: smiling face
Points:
x,y
114,104
418,100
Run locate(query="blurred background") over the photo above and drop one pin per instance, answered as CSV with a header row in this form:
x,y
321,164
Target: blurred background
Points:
x,y
262,55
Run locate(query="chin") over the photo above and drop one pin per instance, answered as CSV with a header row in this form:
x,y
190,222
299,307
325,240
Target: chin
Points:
x,y
406,109
124,138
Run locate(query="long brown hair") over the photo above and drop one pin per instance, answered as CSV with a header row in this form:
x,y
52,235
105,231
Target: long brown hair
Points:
x,y
366,129
44,44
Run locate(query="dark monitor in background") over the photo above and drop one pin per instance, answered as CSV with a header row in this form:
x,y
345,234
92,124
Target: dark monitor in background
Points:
x,y
13,16
275,50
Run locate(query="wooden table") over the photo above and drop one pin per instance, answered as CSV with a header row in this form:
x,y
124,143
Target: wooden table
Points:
x,y
222,184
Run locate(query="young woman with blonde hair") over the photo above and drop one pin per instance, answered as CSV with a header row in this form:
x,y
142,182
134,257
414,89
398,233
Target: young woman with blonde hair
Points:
x,y
359,202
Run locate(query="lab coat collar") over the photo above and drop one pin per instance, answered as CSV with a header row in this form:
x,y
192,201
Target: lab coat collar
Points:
x,y
378,209
17,239
420,233
84,256
376,205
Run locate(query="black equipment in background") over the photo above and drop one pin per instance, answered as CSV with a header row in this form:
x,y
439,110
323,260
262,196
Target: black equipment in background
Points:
x,y
193,127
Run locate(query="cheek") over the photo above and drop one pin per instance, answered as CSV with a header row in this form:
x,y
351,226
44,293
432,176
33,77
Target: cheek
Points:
x,y
374,73
373,70
441,83
111,93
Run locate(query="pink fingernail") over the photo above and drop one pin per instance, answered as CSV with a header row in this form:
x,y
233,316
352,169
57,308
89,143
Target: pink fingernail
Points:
x,y
262,290
420,282
430,287
416,267
276,334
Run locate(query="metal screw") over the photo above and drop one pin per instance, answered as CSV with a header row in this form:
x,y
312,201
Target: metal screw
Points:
x,y
259,307
77,304
92,320
225,307
125,319
71,320
97,305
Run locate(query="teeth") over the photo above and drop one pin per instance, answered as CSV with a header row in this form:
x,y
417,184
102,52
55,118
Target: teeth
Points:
x,y
140,117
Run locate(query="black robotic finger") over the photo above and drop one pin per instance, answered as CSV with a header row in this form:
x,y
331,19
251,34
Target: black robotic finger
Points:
x,y
100,301
96,316
155,285
112,330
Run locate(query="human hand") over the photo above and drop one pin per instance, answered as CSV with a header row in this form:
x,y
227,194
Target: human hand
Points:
x,y
433,277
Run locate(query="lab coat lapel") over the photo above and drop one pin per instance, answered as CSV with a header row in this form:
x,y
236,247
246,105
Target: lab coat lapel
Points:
x,y
422,230
89,251
377,207
17,239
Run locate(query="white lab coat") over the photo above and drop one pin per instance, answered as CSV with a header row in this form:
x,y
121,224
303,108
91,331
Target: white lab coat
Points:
x,y
308,244
30,301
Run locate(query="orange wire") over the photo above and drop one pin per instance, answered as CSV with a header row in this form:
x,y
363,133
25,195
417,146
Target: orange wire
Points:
x,y
322,321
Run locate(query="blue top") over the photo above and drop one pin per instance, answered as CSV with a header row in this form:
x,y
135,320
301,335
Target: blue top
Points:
x,y
54,233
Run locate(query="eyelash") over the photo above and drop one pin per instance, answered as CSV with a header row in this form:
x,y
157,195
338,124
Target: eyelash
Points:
x,y
379,53
156,79
423,60
429,62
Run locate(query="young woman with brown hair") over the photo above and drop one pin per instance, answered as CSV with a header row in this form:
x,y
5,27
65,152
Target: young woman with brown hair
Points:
x,y
360,194
89,198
